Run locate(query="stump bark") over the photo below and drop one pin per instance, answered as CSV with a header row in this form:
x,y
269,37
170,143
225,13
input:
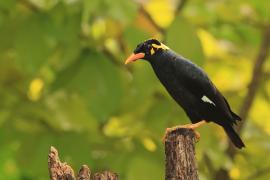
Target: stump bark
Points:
x,y
180,155
62,171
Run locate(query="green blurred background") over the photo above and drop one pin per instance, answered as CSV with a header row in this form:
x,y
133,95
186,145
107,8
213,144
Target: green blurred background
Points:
x,y
63,83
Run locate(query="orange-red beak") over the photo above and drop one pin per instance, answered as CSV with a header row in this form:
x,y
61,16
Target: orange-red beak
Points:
x,y
134,57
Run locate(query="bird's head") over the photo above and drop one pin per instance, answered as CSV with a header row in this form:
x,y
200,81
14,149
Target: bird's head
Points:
x,y
147,50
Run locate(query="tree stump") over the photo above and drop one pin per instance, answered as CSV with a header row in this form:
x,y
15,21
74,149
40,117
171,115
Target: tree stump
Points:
x,y
180,155
62,171
105,175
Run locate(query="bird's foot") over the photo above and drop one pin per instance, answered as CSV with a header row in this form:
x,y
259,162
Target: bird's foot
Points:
x,y
187,126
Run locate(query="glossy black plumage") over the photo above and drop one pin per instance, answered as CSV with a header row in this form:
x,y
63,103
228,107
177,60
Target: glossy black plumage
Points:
x,y
191,88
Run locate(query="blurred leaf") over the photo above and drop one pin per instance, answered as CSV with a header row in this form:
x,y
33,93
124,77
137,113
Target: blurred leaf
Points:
x,y
31,44
149,144
210,44
121,10
149,169
182,38
3,116
44,5
35,89
7,5
115,128
261,9
34,149
64,35
133,36
7,27
96,79
262,106
70,113
8,166
161,11
143,84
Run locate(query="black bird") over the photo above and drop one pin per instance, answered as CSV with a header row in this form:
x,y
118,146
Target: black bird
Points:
x,y
189,86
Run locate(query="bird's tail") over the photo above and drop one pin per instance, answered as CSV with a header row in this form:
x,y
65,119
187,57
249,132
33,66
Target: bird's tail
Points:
x,y
235,116
236,140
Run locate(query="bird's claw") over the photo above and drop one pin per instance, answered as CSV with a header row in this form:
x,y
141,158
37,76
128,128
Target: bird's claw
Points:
x,y
197,135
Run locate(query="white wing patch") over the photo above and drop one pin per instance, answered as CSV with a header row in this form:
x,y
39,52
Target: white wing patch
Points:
x,y
207,100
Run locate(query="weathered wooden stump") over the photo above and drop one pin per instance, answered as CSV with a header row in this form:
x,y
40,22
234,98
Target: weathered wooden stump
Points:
x,y
180,155
62,171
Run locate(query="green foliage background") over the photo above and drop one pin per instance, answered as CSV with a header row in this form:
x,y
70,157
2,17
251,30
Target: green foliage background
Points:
x,y
63,83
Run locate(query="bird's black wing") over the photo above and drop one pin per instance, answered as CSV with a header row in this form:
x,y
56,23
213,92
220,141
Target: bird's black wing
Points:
x,y
197,82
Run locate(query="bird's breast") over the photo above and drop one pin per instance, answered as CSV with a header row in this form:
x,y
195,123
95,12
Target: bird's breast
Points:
x,y
174,84
165,73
